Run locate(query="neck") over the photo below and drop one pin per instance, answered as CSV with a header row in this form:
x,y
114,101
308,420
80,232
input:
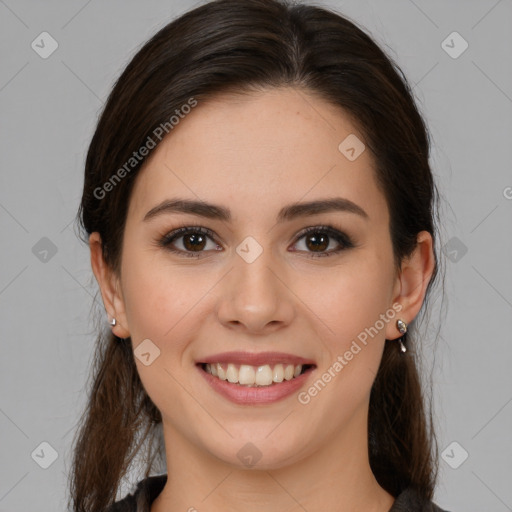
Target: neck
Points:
x,y
336,476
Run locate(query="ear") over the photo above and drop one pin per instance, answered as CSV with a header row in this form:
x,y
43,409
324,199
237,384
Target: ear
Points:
x,y
109,287
412,281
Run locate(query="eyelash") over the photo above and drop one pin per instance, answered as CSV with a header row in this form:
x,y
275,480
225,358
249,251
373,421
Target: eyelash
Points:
x,y
331,231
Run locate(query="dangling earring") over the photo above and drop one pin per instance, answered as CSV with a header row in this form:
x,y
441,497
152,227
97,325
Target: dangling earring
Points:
x,y
402,327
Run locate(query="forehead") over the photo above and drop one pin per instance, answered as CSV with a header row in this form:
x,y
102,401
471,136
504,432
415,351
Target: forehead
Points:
x,y
259,150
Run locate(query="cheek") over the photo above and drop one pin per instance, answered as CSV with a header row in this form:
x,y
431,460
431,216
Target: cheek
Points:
x,y
156,297
346,299
348,318
159,304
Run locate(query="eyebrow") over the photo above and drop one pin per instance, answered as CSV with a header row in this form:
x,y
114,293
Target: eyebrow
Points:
x,y
287,213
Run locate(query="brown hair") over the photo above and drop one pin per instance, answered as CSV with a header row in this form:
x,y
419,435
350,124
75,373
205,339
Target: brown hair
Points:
x,y
243,45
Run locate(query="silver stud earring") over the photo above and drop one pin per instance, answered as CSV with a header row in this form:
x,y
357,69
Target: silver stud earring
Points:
x,y
402,327
112,322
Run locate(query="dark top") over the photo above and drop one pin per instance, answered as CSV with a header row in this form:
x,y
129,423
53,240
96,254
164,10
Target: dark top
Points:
x,y
149,488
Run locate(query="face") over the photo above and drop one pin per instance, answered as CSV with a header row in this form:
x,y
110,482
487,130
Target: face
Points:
x,y
255,283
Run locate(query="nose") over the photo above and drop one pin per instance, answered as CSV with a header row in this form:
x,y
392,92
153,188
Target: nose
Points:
x,y
256,297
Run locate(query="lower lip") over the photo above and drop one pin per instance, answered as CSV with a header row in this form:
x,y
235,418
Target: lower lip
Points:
x,y
245,395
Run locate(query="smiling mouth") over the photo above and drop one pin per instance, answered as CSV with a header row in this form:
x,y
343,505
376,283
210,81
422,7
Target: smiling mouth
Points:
x,y
255,376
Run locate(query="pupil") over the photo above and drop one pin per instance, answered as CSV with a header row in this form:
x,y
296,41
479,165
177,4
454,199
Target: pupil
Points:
x,y
317,243
196,239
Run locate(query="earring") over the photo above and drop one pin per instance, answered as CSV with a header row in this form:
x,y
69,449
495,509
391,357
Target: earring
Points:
x,y
112,322
402,327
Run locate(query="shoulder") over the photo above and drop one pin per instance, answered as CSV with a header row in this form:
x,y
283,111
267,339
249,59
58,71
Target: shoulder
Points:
x,y
142,497
410,501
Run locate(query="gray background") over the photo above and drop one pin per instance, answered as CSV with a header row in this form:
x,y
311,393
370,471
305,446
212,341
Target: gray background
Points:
x,y
48,112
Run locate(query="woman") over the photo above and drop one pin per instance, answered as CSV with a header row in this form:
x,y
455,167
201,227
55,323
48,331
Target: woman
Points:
x,y
261,218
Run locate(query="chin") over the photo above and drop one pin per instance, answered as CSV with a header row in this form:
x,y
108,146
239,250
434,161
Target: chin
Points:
x,y
257,453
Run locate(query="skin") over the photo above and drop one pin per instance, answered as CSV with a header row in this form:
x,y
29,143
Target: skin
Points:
x,y
254,154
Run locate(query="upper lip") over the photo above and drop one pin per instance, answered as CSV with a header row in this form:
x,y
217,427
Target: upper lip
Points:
x,y
256,359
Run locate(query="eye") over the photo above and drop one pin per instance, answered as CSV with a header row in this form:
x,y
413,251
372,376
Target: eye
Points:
x,y
194,241
319,238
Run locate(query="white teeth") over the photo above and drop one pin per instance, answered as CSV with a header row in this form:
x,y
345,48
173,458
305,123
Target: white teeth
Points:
x,y
263,376
288,372
221,372
232,373
248,375
278,374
